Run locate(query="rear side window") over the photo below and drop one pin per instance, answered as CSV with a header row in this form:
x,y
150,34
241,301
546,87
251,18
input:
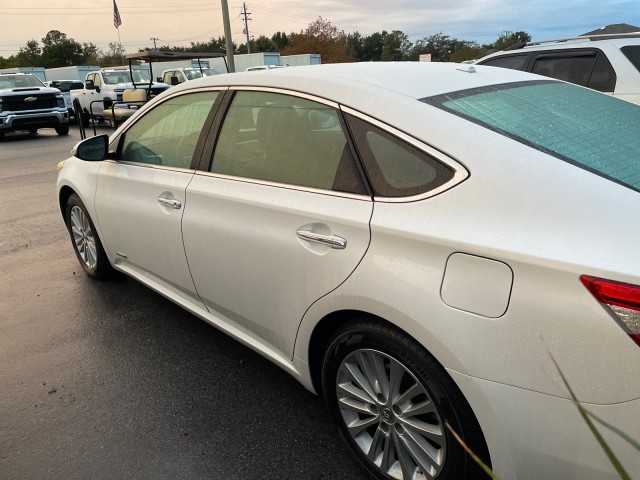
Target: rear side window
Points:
x,y
395,168
632,52
279,138
514,62
588,69
592,131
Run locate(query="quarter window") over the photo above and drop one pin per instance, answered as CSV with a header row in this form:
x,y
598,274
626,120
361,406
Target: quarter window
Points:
x,y
395,168
284,139
168,134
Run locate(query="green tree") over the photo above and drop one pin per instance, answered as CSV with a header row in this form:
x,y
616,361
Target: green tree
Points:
x,y
372,47
395,47
59,51
508,38
113,56
280,40
29,55
354,46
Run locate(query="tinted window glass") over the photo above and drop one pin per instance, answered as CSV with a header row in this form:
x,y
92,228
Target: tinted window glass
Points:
x,y
514,62
603,77
284,139
632,52
590,130
395,168
568,68
168,134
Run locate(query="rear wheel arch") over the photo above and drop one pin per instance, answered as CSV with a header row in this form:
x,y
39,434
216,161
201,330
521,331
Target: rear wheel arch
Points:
x,y
339,324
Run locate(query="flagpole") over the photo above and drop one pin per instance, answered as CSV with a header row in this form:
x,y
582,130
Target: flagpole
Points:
x,y
120,43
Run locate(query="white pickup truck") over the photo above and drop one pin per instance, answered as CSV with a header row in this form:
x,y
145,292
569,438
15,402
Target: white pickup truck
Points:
x,y
109,85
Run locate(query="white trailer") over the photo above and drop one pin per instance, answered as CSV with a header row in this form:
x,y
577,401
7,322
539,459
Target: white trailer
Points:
x,y
37,71
300,60
73,72
242,62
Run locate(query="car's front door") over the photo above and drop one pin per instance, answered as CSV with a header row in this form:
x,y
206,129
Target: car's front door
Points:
x,y
281,218
140,196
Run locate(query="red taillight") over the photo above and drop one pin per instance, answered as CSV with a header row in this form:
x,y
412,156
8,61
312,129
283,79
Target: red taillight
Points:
x,y
622,298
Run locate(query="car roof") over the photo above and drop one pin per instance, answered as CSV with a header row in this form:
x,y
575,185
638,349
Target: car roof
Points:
x,y
342,82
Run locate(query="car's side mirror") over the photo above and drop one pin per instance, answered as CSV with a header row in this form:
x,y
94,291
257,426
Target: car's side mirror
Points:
x,y
92,149
174,81
89,85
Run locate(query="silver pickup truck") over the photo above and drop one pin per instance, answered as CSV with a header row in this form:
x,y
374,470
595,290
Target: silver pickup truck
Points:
x,y
26,104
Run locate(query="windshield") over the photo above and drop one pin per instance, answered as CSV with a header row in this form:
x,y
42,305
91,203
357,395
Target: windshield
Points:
x,y
20,81
593,131
65,86
195,73
123,76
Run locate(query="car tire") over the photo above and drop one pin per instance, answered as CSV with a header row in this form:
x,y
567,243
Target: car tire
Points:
x,y
395,425
62,130
85,240
83,117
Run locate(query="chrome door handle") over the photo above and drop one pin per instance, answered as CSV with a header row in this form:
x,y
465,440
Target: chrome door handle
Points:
x,y
332,241
170,202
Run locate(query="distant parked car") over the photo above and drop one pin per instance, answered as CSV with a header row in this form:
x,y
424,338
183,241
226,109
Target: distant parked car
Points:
x,y
65,86
607,63
176,76
412,241
263,67
27,104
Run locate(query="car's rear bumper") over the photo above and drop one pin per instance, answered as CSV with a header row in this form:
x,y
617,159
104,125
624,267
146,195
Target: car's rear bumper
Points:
x,y
533,435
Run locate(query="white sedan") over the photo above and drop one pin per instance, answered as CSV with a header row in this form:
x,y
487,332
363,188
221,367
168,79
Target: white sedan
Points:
x,y
415,242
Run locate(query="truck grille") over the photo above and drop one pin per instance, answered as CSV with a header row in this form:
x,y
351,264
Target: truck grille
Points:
x,y
16,103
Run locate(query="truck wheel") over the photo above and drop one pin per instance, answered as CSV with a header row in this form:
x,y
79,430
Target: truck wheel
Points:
x,y
84,118
63,130
33,131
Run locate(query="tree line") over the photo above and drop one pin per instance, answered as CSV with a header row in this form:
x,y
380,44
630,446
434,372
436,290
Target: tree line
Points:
x,y
320,36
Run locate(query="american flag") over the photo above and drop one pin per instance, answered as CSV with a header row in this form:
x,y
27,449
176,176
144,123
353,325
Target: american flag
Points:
x,y
117,21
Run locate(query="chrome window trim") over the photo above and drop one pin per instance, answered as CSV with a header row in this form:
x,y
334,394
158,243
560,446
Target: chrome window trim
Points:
x,y
151,165
284,91
460,173
266,183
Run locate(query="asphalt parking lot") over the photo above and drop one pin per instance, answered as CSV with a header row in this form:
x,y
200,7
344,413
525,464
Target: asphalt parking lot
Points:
x,y
108,380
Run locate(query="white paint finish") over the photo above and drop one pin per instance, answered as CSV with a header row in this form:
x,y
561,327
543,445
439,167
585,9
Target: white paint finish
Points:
x,y
134,223
535,436
248,263
477,285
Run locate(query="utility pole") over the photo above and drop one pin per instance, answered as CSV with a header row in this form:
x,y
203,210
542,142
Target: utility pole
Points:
x,y
153,39
227,36
246,14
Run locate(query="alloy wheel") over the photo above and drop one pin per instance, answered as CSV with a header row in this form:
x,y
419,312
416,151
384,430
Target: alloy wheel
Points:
x,y
390,416
83,237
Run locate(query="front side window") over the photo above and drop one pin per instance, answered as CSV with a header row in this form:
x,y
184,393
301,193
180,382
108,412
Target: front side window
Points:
x,y
585,128
168,134
284,139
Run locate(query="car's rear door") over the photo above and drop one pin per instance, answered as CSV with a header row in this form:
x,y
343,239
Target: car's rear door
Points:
x,y
281,216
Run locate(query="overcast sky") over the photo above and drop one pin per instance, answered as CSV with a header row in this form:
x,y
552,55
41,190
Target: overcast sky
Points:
x,y
180,22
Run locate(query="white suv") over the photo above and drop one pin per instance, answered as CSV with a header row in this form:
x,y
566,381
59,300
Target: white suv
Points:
x,y
607,63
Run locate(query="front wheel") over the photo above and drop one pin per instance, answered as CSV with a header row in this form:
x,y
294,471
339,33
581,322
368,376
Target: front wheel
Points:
x,y
391,400
62,130
85,240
